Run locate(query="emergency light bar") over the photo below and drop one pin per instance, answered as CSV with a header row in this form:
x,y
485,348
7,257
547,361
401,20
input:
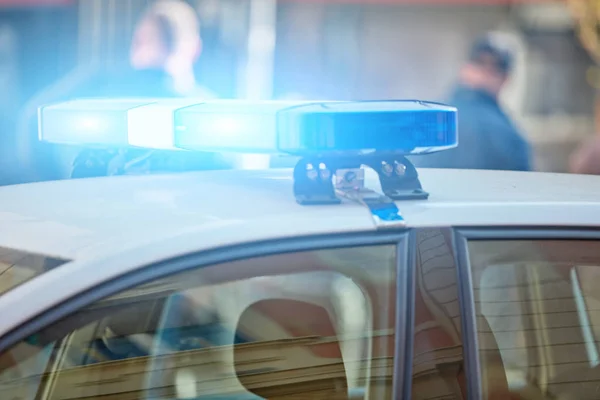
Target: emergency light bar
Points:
x,y
334,138
301,128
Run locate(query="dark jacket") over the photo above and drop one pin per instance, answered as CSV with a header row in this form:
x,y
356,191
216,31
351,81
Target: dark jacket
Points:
x,y
487,138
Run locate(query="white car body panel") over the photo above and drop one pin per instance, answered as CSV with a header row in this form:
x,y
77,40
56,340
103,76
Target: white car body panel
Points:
x,y
84,218
110,226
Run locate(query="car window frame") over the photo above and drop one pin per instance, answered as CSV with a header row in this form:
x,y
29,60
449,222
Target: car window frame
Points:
x,y
403,239
462,236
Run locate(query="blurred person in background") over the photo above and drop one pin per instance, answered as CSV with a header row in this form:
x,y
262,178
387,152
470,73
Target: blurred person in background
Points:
x,y
165,46
488,139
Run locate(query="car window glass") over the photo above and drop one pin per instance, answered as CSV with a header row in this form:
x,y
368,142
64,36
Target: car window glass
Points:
x,y
538,302
316,324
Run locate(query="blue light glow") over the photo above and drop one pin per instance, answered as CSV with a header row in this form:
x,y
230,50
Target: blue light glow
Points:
x,y
90,122
406,127
84,127
246,132
237,126
227,126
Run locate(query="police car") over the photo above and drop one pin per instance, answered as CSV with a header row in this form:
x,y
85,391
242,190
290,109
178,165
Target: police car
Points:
x,y
352,276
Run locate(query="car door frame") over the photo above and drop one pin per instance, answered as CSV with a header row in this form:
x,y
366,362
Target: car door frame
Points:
x,y
403,239
462,237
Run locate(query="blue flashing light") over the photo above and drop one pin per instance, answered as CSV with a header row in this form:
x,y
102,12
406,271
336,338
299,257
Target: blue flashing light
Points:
x,y
226,132
87,122
301,128
86,127
236,126
407,127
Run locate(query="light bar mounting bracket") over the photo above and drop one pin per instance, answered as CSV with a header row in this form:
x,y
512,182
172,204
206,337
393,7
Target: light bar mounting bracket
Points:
x,y
313,177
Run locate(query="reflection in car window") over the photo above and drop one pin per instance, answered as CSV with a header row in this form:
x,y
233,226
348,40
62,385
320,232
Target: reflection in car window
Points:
x,y
316,324
540,300
17,267
438,358
438,362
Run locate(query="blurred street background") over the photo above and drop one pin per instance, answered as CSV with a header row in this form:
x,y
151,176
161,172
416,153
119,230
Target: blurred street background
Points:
x,y
326,49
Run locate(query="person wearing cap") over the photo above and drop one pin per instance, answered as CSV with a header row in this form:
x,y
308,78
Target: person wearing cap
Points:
x,y
488,138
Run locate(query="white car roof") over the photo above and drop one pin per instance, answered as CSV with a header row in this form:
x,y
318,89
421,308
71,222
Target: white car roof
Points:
x,y
85,218
111,226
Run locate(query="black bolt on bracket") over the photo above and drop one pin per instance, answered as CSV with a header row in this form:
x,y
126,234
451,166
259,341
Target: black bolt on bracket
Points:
x,y
313,182
398,178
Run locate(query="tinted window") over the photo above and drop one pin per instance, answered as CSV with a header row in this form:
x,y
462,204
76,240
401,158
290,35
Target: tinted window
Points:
x,y
438,363
316,324
539,303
